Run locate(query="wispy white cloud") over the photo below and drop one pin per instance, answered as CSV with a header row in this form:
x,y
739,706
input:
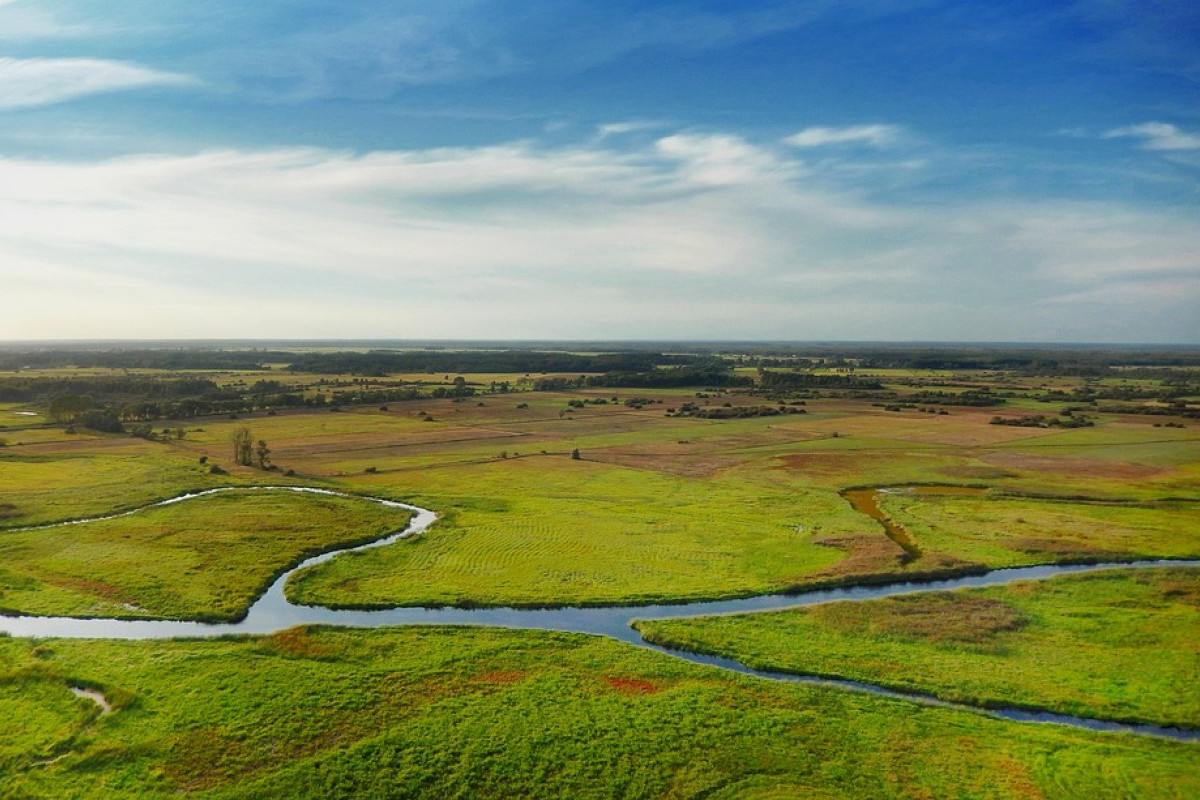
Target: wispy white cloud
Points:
x,y
42,81
621,128
23,21
715,159
874,135
1158,136
695,235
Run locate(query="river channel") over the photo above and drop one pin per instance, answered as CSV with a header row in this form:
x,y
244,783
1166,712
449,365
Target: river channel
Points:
x,y
273,612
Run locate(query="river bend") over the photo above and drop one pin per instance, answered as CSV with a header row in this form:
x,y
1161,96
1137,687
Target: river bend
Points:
x,y
272,612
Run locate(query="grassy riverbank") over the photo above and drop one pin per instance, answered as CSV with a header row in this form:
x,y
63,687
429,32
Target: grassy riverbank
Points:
x,y
453,712
1111,645
202,558
658,506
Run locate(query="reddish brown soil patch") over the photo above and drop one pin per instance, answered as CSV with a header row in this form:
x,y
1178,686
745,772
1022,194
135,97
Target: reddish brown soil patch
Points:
x,y
1118,470
633,685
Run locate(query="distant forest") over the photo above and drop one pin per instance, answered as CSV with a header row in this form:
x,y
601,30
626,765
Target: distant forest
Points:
x,y
189,383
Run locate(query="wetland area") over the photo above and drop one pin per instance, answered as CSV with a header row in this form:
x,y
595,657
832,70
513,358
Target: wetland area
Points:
x,y
775,577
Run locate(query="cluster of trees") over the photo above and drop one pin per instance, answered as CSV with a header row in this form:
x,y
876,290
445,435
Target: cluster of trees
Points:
x,y
971,397
669,378
730,411
774,380
141,358
247,453
109,388
1042,421
384,362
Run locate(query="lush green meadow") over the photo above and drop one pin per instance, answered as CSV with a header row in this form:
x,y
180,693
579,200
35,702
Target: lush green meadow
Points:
x,y
1111,645
657,506
203,558
660,504
460,712
1016,531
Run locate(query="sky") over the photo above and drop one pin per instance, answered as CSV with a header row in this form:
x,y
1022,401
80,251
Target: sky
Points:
x,y
929,170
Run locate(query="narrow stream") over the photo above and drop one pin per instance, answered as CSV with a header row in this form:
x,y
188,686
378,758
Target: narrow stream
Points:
x,y
272,612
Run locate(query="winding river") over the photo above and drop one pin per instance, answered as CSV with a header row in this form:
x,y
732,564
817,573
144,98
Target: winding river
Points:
x,y
272,612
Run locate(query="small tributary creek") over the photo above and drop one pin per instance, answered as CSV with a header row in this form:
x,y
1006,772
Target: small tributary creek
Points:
x,y
273,612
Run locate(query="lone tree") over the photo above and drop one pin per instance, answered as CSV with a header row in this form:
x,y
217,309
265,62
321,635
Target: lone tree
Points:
x,y
242,446
262,455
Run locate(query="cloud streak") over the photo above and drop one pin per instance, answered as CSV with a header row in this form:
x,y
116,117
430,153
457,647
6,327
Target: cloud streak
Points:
x,y
44,81
1158,136
873,135
694,235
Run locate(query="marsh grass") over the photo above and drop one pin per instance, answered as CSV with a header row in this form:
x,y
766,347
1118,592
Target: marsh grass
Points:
x,y
204,558
461,712
1110,645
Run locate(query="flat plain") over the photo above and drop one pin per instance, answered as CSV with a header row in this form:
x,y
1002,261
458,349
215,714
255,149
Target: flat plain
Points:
x,y
600,495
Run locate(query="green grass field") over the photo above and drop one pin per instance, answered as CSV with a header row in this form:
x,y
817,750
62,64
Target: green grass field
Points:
x,y
1110,645
203,558
553,530
454,712
1015,531
656,508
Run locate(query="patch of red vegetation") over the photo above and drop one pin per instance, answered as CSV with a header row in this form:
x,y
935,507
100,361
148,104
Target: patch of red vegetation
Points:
x,y
1080,467
867,554
633,685
940,617
1176,588
92,587
503,676
1059,547
1017,778
297,642
678,459
872,557
819,463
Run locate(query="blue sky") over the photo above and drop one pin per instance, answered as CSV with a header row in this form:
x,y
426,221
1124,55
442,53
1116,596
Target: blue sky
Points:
x,y
861,169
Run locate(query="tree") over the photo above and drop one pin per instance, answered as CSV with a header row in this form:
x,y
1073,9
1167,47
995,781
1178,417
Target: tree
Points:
x,y
69,408
262,455
242,444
